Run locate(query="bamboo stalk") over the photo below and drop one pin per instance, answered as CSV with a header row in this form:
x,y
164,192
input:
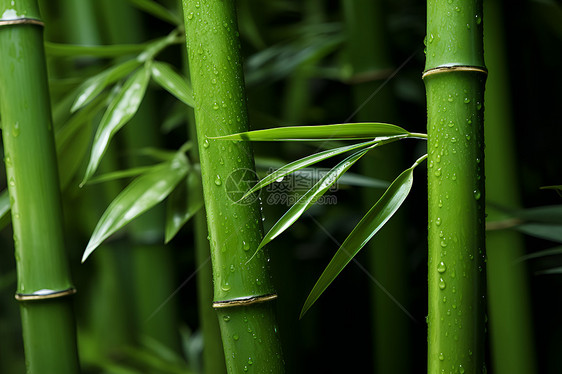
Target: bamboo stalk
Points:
x,y
243,290
369,55
454,79
509,303
44,284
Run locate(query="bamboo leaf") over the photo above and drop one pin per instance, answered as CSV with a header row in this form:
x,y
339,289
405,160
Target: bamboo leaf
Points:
x,y
157,10
557,188
96,84
547,252
72,50
343,131
307,161
120,111
120,174
172,82
546,214
139,196
310,197
5,208
369,225
546,231
184,202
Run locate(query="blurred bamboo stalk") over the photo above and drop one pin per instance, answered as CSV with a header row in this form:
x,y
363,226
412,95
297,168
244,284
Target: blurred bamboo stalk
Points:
x,y
44,284
371,65
509,302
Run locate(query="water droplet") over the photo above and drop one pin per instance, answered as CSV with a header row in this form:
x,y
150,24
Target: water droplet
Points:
x,y
246,246
453,140
279,180
12,182
478,105
258,282
450,99
441,267
438,221
218,180
226,287
206,143
232,268
226,318
16,129
461,369
466,100
443,243
437,172
190,15
477,194
214,81
451,123
441,357
478,19
454,177
235,337
216,106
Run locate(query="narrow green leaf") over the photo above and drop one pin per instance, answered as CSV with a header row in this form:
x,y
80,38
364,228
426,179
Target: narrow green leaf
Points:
x,y
139,196
557,270
551,232
120,111
73,138
5,208
547,252
157,10
310,197
546,214
96,84
369,225
307,161
321,132
155,47
184,202
120,174
172,82
72,50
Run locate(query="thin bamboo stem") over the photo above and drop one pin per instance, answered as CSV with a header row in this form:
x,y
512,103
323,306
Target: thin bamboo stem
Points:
x,y
454,80
369,55
509,304
249,332
42,265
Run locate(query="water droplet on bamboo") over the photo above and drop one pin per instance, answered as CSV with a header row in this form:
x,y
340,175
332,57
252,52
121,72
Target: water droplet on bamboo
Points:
x,y
442,284
16,129
441,267
477,194
226,318
226,287
218,180
235,337
206,143
438,221
441,356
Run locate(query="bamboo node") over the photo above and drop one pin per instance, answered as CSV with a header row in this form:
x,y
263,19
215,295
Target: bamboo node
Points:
x,y
44,294
244,301
453,68
21,21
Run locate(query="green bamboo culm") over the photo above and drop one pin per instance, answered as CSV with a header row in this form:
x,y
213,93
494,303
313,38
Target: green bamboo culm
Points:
x,y
455,78
44,284
243,290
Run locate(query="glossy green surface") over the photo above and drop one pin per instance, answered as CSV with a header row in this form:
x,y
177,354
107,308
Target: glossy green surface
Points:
x,y
454,33
29,152
235,229
455,222
250,339
456,276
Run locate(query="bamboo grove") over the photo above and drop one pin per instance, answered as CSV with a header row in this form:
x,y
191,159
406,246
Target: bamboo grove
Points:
x,y
205,186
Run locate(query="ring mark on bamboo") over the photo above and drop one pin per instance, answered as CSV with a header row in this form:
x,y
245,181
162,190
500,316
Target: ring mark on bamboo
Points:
x,y
21,21
44,294
244,301
449,69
